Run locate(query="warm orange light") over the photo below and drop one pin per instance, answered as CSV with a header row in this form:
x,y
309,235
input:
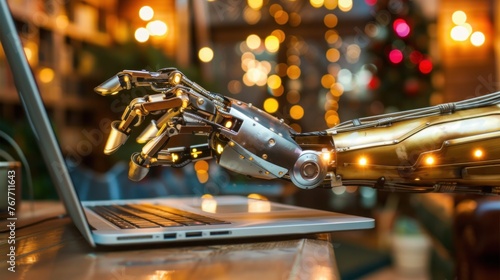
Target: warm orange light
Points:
x,y
326,156
477,38
430,160
175,157
296,112
146,13
206,54
272,43
208,203
253,41
345,5
201,166
46,75
271,105
141,35
258,203
459,17
460,33
478,153
228,124
255,4
157,28
257,196
317,3
293,72
195,153
274,81
363,161
219,149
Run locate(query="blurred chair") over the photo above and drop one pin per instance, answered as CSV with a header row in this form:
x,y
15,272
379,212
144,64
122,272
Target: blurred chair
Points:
x,y
477,237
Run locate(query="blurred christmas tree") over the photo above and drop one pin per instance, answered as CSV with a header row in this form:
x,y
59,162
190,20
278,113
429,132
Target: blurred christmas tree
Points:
x,y
400,53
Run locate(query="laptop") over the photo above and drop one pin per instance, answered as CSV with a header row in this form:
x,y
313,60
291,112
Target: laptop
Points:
x,y
119,222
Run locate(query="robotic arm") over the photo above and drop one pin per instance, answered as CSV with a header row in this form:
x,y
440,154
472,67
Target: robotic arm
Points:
x,y
452,147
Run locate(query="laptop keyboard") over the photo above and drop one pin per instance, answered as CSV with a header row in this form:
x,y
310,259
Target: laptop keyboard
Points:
x,y
132,216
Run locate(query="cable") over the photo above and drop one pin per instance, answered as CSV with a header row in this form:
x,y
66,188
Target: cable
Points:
x,y
6,156
61,216
23,159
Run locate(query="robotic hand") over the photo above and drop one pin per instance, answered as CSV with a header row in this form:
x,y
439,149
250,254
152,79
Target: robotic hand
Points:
x,y
453,147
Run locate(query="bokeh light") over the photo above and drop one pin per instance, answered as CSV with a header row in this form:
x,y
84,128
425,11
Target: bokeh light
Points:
x,y
331,36
330,20
271,105
425,66
293,97
251,16
330,4
327,80
395,56
146,13
272,43
141,35
46,75
206,54
253,41
345,5
333,55
281,17
293,72
157,28
234,86
278,33
477,38
274,81
460,33
459,17
295,19
317,3
296,112
255,4
401,27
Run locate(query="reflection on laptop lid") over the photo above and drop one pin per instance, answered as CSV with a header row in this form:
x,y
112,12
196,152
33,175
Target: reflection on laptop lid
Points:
x,y
226,217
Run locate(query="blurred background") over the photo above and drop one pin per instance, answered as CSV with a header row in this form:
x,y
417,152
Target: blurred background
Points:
x,y
313,63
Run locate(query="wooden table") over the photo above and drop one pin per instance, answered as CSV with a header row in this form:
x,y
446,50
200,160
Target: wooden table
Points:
x,y
54,249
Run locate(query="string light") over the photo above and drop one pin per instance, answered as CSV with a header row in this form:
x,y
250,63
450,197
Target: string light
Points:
x,y
459,17
425,66
141,35
271,105
459,33
146,13
401,28
272,43
253,41
477,38
206,54
296,112
463,30
395,56
46,75
157,28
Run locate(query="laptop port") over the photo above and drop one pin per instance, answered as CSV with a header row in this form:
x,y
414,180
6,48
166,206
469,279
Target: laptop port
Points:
x,y
170,236
134,237
222,232
194,234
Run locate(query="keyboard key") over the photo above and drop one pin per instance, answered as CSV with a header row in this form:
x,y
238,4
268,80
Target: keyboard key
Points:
x,y
151,216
